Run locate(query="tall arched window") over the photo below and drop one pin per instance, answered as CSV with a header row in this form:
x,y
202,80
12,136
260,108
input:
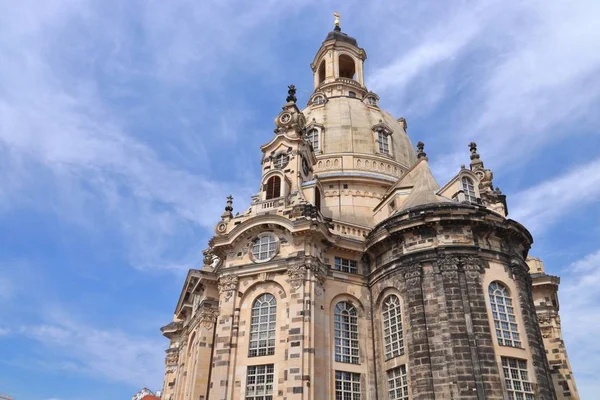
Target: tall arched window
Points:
x,y
346,333
262,326
392,327
469,189
273,188
312,137
384,145
318,198
503,314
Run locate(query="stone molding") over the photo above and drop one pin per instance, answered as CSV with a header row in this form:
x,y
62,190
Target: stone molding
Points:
x,y
227,285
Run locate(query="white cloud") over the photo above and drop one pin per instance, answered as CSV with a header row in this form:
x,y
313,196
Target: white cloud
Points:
x,y
508,72
543,204
102,353
580,315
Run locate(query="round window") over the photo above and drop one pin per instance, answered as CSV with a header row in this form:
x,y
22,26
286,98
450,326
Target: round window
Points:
x,y
264,247
281,160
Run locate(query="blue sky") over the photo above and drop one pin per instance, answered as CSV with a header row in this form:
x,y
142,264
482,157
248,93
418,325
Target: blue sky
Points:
x,y
124,124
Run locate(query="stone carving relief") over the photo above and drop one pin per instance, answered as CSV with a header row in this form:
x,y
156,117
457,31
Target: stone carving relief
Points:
x,y
319,271
296,275
448,266
413,274
227,285
208,317
472,267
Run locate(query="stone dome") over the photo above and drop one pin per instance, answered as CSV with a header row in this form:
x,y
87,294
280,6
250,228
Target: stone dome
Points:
x,y
349,126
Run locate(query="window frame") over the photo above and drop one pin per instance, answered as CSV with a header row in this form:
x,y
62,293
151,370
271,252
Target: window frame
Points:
x,y
397,380
394,330
346,337
468,189
383,140
256,322
271,251
509,336
313,139
273,188
269,371
354,382
516,378
351,266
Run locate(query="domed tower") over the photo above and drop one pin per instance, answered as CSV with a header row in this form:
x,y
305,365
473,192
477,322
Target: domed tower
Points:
x,y
353,274
361,149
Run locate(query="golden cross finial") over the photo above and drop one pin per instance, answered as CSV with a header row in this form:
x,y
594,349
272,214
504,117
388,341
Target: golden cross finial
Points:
x,y
337,18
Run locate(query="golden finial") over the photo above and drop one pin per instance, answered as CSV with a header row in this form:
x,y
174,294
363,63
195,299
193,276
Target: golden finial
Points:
x,y
337,18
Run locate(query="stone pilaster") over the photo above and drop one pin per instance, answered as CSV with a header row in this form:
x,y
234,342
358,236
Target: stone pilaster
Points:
x,y
418,345
222,349
481,337
545,388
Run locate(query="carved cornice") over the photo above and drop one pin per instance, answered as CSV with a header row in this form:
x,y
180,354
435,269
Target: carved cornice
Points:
x,y
227,285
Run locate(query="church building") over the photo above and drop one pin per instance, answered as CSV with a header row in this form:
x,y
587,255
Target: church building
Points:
x,y
354,275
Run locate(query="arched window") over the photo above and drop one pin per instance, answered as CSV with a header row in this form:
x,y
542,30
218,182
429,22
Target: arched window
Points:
x,y
273,188
392,327
372,100
322,71
347,66
312,137
469,189
346,333
318,198
262,326
318,100
503,314
384,145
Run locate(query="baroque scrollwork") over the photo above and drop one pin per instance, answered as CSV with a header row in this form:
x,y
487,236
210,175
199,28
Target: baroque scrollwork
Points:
x,y
296,275
471,266
208,317
448,266
227,285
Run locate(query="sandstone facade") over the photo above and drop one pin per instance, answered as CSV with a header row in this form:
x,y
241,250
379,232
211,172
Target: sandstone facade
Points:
x,y
354,275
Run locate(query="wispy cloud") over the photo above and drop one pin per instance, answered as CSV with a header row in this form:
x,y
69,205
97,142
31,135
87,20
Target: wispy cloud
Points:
x,y
505,72
109,354
539,206
580,315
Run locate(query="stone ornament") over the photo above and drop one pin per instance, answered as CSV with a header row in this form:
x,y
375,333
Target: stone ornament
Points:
x,y
448,266
319,271
208,317
471,266
296,275
413,274
227,285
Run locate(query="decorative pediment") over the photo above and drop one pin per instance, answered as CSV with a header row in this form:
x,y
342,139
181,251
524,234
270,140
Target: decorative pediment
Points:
x,y
382,127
